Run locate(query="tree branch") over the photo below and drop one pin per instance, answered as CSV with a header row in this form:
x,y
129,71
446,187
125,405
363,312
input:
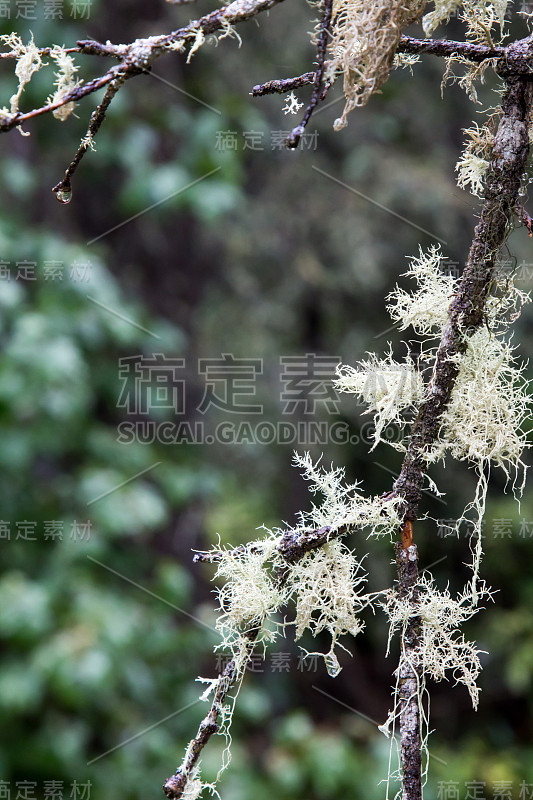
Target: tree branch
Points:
x,y
283,86
409,676
319,92
466,315
175,785
293,546
63,189
446,48
134,59
504,174
11,121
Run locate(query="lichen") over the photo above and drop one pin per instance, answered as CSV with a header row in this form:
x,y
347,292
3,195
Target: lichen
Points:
x,y
249,594
474,161
364,38
194,786
29,61
426,309
292,106
6,116
88,141
406,61
325,584
484,419
442,651
471,172
480,16
328,591
65,82
388,388
343,504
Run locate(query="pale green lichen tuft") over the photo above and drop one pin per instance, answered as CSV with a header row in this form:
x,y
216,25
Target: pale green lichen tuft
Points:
x,y
29,61
194,786
65,82
88,142
425,310
327,588
249,594
406,61
484,419
480,16
388,388
6,116
364,38
471,171
441,14
343,504
292,106
199,39
473,164
324,584
442,652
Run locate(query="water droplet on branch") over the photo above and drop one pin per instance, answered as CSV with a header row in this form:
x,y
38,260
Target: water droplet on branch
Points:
x,y
63,192
64,196
332,665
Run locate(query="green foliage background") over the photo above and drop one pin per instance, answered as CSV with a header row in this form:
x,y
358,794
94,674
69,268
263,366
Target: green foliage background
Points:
x,y
103,636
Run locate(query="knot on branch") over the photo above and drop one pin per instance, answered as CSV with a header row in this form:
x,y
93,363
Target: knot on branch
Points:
x,y
209,728
295,544
174,786
140,54
517,60
6,120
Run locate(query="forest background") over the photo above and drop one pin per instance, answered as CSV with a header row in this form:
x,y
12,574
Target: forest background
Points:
x,y
282,260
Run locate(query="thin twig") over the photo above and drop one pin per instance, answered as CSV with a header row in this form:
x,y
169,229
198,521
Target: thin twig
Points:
x,y
43,51
446,48
63,189
175,785
437,47
283,86
293,544
319,91
15,120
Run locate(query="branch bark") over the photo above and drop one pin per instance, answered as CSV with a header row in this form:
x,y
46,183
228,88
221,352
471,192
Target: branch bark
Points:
x,y
409,677
446,48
